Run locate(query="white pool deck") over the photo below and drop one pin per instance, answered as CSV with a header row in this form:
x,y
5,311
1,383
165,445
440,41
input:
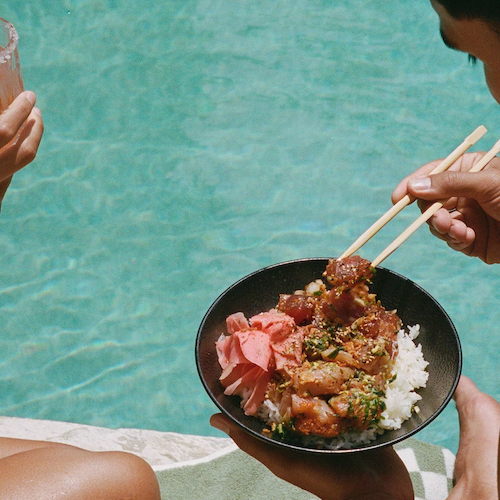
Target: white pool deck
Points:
x,y
160,449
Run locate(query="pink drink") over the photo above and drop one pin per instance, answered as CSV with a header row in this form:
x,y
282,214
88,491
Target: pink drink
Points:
x,y
11,80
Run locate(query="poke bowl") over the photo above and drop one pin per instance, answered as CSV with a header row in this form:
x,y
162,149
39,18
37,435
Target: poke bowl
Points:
x,y
260,291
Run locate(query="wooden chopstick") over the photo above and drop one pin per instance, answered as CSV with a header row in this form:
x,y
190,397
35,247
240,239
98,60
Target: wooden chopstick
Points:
x,y
407,199
432,209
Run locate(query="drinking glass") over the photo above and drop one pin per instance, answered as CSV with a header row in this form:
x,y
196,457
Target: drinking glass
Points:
x,y
11,80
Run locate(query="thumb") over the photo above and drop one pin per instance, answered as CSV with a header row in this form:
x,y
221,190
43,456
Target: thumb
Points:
x,y
480,186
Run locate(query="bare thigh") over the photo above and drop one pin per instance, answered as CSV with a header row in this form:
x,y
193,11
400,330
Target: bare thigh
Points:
x,y
49,471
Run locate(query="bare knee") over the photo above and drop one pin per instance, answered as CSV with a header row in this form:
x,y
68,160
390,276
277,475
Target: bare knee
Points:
x,y
123,475
130,476
60,471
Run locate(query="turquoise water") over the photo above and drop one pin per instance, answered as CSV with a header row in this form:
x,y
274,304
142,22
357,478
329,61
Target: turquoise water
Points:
x,y
189,143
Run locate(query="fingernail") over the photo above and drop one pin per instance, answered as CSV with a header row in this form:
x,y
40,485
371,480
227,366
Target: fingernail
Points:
x,y
31,97
38,111
420,183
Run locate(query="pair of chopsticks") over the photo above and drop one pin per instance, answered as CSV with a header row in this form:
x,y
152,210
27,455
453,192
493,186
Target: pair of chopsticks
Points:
x,y
406,200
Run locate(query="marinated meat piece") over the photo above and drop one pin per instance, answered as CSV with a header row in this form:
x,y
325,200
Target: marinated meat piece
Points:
x,y
360,408
379,323
344,274
346,307
299,307
316,342
315,416
320,378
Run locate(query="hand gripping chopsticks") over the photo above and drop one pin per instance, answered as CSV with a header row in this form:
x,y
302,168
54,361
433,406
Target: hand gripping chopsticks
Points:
x,y
479,165
406,200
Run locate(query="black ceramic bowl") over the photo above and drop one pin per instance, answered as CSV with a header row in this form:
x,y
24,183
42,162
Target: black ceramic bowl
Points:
x,y
260,291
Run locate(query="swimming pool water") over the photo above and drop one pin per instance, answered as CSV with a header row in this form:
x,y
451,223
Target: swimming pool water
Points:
x,y
189,143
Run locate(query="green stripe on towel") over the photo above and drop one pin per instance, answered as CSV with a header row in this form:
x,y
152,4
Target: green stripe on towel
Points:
x,y
237,476
234,476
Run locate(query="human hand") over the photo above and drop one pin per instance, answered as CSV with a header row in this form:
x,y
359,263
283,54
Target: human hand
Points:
x,y
369,475
380,474
476,474
470,219
21,129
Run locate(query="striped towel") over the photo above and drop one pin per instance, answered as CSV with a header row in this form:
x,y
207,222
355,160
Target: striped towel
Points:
x,y
231,474
430,467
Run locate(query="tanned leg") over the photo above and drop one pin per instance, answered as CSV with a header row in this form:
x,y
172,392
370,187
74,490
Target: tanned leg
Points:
x,y
476,466
51,471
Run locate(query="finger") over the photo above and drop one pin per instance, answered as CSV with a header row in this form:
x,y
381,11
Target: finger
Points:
x,y
3,189
449,205
454,232
480,186
23,150
246,442
441,221
446,223
15,115
401,188
460,235
30,139
220,422
464,163
281,463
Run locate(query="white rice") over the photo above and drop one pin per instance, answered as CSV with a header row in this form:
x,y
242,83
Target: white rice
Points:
x,y
409,370
269,412
400,396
